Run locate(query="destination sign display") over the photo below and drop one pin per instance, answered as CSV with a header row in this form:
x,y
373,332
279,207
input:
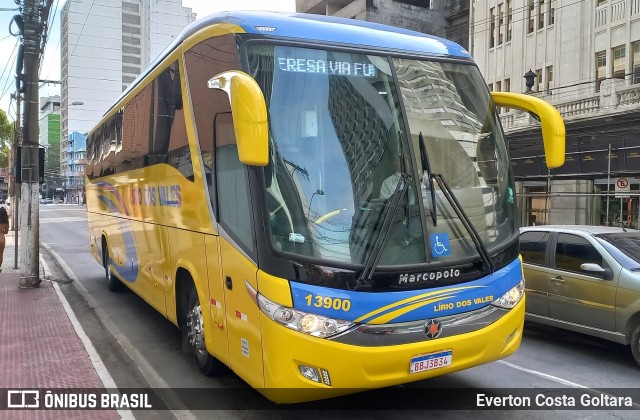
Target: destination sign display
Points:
x,y
332,67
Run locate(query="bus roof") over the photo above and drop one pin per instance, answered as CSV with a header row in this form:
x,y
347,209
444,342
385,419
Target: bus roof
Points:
x,y
321,29
335,30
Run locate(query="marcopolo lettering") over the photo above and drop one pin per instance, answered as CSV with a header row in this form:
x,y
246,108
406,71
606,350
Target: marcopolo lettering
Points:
x,y
432,276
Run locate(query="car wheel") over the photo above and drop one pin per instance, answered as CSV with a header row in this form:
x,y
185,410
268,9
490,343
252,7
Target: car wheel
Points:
x,y
635,344
207,364
113,283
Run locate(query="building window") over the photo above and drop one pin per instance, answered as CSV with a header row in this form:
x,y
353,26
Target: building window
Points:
x,y
551,13
500,24
498,86
492,36
618,62
428,4
601,2
601,68
549,80
635,63
507,85
541,14
490,86
509,19
538,80
531,16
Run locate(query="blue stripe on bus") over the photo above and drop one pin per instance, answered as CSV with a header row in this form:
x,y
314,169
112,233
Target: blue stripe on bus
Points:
x,y
410,305
128,271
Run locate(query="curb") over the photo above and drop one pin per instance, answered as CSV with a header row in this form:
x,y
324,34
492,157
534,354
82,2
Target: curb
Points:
x,y
96,361
148,372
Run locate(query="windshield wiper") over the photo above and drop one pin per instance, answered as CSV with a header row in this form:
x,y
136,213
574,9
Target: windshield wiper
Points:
x,y
426,167
387,218
455,204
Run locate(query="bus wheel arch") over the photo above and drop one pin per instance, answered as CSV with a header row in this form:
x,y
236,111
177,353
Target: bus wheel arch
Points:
x,y
189,314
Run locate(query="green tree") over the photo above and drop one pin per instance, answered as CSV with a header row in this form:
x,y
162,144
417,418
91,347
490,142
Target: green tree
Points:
x,y
6,128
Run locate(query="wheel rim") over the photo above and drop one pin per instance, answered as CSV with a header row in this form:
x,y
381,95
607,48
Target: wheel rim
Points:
x,y
196,331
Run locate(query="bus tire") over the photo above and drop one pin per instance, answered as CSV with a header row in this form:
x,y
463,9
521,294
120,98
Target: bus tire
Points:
x,y
113,283
635,344
207,364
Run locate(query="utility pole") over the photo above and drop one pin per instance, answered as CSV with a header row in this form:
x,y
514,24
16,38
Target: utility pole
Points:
x,y
35,15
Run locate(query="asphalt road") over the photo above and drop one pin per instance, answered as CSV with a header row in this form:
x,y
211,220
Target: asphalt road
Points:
x,y
142,349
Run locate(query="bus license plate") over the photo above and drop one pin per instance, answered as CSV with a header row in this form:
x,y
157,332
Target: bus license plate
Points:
x,y
430,361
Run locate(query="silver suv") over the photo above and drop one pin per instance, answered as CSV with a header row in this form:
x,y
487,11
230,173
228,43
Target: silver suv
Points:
x,y
584,279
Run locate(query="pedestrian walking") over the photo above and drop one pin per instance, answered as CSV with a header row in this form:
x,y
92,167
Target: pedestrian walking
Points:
x,y
4,229
9,211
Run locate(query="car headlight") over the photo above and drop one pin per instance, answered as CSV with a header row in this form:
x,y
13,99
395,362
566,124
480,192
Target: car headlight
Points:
x,y
512,297
312,324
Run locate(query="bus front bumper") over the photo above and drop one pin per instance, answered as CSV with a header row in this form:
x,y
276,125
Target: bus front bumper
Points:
x,y
352,368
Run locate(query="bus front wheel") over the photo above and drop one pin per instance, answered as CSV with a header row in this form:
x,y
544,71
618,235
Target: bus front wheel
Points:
x,y
113,283
208,364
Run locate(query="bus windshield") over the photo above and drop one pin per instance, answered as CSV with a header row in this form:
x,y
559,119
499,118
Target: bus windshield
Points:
x,y
348,130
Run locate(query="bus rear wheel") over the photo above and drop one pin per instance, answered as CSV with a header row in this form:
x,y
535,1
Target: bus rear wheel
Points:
x,y
207,364
113,283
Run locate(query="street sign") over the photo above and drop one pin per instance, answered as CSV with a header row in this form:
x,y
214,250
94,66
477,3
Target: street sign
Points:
x,y
623,187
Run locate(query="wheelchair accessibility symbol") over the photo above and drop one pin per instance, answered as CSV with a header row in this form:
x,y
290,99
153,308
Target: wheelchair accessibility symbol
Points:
x,y
440,244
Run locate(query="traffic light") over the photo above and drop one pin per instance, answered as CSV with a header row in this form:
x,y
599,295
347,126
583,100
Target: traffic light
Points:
x,y
40,165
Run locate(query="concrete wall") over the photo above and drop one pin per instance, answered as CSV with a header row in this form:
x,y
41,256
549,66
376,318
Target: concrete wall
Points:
x,y
571,208
406,16
388,12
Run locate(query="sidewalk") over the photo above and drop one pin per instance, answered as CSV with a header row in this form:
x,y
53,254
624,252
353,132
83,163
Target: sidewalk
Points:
x,y
39,347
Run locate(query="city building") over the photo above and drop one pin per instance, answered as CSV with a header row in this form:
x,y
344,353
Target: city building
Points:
x,y
50,140
104,47
76,151
4,185
448,19
584,58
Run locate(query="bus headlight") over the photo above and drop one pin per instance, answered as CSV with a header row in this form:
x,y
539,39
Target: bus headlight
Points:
x,y
512,297
312,324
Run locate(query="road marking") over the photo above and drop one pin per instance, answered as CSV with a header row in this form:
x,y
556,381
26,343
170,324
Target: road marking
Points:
x,y
542,374
44,220
557,379
103,374
150,374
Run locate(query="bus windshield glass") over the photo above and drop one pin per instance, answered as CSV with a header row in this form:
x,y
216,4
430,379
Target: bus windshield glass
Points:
x,y
341,153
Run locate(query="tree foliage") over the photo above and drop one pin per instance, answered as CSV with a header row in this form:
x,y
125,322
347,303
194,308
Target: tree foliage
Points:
x,y
6,128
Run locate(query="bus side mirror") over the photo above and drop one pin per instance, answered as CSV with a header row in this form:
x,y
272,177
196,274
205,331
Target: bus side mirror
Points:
x,y
553,132
249,112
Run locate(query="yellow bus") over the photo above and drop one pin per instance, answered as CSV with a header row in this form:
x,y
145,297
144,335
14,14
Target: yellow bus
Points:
x,y
321,204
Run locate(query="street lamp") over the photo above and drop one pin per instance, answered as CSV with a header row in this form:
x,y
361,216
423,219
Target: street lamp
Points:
x,y
529,80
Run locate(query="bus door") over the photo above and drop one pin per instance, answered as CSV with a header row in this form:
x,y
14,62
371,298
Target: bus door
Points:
x,y
218,345
237,255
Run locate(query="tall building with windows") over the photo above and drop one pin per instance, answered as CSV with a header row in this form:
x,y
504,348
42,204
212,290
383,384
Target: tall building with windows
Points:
x,y
584,58
104,46
446,18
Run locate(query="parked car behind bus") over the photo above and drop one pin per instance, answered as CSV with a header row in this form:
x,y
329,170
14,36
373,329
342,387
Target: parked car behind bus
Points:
x,y
584,279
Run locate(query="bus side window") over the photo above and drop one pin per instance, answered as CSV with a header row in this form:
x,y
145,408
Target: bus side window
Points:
x,y
203,61
233,204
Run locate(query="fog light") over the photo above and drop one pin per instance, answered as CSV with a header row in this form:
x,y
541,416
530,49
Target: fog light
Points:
x,y
309,373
